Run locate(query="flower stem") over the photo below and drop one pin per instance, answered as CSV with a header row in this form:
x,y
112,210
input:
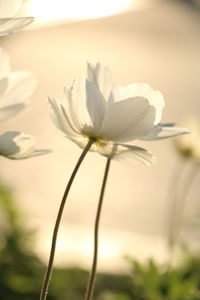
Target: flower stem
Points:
x,y
91,281
58,219
192,173
182,183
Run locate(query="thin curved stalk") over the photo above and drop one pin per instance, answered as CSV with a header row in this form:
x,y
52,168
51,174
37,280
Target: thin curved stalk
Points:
x,y
183,180
184,194
92,277
58,219
172,203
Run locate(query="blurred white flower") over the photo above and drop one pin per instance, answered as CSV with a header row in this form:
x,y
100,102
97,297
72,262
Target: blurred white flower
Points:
x,y
8,22
94,108
15,89
189,146
17,145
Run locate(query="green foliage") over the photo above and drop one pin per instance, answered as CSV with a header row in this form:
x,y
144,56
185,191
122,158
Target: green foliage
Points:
x,y
21,271
154,282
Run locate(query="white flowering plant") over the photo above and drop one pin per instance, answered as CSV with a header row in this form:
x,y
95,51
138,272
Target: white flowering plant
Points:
x,y
102,118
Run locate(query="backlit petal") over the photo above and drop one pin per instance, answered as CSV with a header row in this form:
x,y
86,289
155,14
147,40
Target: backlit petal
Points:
x,y
11,25
127,120
127,153
20,87
17,145
3,87
60,118
101,77
4,63
87,105
155,98
164,131
9,112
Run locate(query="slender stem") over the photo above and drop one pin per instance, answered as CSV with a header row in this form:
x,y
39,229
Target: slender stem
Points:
x,y
192,173
181,185
172,202
58,219
91,281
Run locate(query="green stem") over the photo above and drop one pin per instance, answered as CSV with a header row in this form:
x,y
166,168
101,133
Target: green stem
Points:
x,y
58,219
182,183
91,281
184,195
172,203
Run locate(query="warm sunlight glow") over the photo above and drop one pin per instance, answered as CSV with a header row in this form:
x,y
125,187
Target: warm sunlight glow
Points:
x,y
61,9
46,11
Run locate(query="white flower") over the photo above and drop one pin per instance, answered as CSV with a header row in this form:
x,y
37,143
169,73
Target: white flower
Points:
x,y
94,108
17,145
15,89
8,22
189,146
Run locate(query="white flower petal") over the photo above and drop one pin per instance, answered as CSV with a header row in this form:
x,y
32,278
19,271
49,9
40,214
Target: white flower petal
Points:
x,y
9,8
20,87
3,87
11,25
79,102
164,131
127,153
17,145
127,120
9,112
38,152
60,118
155,98
4,63
87,105
95,105
101,77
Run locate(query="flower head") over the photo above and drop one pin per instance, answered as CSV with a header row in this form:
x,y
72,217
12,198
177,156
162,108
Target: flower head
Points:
x,y
8,22
113,116
15,88
189,146
17,145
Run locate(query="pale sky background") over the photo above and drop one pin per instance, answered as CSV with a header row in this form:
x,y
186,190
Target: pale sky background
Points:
x,y
159,45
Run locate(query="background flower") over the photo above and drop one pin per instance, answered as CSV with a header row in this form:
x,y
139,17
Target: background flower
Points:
x,y
94,108
189,146
17,145
15,88
8,22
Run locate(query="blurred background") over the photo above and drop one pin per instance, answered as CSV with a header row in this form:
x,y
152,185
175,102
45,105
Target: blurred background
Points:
x,y
157,42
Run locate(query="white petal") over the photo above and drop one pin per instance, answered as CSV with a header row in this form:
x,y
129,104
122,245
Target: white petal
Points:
x,y
11,25
60,118
164,131
155,98
101,77
127,153
9,112
95,105
3,87
127,120
4,64
37,152
9,8
17,145
87,105
20,87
